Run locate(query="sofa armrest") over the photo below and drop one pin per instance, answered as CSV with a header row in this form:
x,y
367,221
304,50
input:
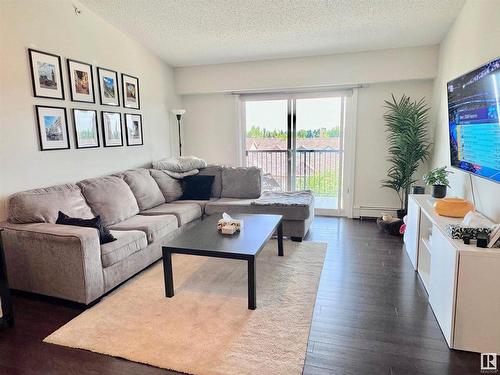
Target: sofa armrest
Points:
x,y
56,260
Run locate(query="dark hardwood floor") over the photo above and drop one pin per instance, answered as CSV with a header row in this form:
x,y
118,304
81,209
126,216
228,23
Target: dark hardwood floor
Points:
x,y
371,317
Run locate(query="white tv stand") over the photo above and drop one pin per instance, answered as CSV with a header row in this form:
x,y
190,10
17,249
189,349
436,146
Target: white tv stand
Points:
x,y
463,281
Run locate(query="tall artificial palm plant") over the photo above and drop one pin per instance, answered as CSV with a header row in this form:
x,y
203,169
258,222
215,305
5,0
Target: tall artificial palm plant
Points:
x,y
407,132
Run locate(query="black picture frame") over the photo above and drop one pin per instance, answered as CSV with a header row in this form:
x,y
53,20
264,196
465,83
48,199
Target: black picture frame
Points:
x,y
91,69
33,78
124,91
77,143
104,130
37,114
99,69
126,129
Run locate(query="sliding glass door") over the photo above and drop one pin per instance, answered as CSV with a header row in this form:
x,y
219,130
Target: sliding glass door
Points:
x,y
268,141
298,142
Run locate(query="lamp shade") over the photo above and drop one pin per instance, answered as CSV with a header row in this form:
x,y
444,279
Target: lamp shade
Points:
x,y
178,112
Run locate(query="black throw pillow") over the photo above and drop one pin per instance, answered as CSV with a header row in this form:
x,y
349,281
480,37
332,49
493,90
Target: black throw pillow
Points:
x,y
104,234
197,188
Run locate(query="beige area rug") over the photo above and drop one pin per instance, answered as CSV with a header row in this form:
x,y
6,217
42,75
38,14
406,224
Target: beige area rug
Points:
x,y
206,327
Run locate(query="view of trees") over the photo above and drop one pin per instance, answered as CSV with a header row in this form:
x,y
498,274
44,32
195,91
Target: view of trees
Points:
x,y
258,132
323,183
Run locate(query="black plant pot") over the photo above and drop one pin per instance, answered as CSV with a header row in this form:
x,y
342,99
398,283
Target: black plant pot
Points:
x,y
401,213
439,191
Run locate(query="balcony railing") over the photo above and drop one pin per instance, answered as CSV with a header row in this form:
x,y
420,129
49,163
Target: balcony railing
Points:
x,y
317,170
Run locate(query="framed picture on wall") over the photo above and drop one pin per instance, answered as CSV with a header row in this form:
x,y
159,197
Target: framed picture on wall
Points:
x,y
133,125
130,89
81,81
46,75
112,129
52,128
108,87
86,133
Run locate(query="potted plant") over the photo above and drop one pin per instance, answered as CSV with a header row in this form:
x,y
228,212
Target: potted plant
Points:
x,y
407,133
438,179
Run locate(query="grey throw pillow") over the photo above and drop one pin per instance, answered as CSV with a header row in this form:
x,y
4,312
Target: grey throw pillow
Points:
x,y
43,205
170,187
145,189
110,197
241,182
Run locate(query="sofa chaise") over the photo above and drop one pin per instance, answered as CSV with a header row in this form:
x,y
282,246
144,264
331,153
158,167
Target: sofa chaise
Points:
x,y
142,210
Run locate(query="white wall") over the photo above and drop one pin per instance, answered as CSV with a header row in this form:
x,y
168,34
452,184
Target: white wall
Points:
x,y
211,123
339,69
371,140
52,26
210,128
473,40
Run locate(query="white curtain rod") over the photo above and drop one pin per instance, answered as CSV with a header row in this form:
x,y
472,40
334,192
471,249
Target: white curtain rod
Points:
x,y
297,90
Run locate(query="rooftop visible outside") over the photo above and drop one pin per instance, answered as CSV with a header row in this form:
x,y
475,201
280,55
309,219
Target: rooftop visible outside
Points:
x,y
318,148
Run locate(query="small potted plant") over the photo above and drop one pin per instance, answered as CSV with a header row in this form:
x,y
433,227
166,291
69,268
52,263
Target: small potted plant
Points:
x,y
438,179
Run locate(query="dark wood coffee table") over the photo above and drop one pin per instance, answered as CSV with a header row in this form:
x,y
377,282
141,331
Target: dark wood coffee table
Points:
x,y
205,240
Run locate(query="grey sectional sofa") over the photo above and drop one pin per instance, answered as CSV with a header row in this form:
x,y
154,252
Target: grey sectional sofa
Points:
x,y
141,208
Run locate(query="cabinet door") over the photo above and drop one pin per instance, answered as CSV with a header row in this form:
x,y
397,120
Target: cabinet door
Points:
x,y
442,282
412,230
477,326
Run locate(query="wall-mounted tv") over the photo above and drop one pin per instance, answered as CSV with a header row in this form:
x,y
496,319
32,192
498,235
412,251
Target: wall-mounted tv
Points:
x,y
473,116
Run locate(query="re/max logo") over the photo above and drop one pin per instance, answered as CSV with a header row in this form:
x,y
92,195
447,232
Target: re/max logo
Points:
x,y
489,363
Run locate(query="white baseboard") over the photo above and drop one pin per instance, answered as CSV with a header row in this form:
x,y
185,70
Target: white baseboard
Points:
x,y
373,211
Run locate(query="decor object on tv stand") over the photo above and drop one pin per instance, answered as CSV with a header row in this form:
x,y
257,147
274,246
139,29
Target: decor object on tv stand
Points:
x,y
438,179
453,207
178,113
418,189
407,128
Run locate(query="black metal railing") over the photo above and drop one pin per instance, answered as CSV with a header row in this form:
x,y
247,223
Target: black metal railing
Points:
x,y
317,170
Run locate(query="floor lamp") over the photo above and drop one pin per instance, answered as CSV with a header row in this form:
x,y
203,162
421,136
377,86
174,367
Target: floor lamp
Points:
x,y
178,113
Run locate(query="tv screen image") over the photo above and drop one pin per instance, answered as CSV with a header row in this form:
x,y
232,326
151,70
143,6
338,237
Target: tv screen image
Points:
x,y
473,116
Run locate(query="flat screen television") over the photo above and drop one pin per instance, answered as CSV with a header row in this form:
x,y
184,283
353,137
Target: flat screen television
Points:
x,y
473,116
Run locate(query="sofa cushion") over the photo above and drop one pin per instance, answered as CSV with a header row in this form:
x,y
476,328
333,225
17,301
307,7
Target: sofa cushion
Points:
x,y
241,182
244,206
127,243
200,203
185,213
170,187
155,227
145,189
43,205
216,171
110,197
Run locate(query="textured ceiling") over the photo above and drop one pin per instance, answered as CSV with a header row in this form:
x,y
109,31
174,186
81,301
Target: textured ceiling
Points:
x,y
194,32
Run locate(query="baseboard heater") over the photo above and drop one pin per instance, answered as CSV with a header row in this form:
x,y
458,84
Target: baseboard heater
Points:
x,y
373,211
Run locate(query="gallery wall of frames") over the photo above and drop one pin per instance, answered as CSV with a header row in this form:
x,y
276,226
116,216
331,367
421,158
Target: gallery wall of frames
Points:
x,y
52,121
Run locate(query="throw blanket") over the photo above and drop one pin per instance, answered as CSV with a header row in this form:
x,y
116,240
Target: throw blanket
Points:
x,y
285,198
180,164
181,175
